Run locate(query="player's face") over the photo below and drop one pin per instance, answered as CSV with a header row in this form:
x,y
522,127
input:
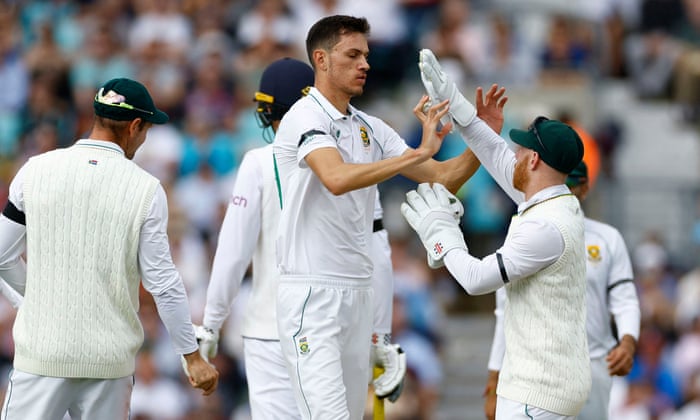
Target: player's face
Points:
x,y
347,64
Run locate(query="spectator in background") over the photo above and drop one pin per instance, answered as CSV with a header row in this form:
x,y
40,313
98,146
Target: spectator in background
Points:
x,y
567,52
457,41
162,22
508,59
102,57
13,72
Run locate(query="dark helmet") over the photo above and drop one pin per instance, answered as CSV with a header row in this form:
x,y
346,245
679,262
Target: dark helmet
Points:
x,y
282,83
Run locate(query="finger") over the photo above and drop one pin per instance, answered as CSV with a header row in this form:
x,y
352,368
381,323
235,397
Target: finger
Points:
x,y
428,195
479,95
502,102
416,202
420,109
442,194
445,130
410,215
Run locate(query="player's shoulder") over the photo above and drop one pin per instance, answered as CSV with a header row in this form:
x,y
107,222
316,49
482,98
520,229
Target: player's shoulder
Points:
x,y
259,153
600,229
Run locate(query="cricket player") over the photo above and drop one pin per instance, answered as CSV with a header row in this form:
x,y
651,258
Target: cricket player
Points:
x,y
254,212
546,370
330,156
93,225
610,291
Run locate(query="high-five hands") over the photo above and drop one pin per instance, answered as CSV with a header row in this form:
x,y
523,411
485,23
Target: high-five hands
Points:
x,y
440,87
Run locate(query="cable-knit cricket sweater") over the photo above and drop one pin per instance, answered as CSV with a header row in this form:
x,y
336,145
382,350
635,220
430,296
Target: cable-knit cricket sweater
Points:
x,y
84,209
546,362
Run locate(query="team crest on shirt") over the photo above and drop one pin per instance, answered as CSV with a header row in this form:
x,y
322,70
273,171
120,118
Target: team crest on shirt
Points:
x,y
364,135
304,345
593,252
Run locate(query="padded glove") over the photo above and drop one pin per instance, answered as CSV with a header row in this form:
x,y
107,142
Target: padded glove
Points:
x,y
439,87
433,221
455,205
392,358
208,341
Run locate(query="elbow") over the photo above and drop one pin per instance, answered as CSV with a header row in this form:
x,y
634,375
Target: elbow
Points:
x,y
336,186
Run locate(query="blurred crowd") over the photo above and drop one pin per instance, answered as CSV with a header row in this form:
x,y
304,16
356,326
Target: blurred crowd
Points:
x,y
202,59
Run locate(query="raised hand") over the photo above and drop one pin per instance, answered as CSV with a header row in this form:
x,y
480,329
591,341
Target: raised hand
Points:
x,y
440,87
429,117
489,107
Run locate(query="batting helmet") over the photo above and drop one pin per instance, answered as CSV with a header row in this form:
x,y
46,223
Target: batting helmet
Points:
x,y
283,82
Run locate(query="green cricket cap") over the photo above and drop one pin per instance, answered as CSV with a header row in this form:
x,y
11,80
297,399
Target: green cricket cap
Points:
x,y
557,143
578,176
124,99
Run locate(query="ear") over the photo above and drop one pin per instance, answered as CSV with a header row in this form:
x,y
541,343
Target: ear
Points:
x,y
134,126
321,59
535,160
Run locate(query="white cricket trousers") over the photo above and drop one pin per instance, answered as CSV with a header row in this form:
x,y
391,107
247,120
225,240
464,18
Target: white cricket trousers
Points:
x,y
269,390
596,407
382,281
325,328
48,398
507,409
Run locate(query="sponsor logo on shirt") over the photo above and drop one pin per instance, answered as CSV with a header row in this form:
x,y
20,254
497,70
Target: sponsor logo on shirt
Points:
x,y
237,200
92,162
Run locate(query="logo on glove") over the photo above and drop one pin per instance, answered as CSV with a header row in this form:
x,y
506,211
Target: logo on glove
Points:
x,y
438,248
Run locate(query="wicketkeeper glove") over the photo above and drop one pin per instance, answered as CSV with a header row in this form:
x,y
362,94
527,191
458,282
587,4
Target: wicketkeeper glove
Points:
x,y
392,358
433,221
439,87
444,196
208,341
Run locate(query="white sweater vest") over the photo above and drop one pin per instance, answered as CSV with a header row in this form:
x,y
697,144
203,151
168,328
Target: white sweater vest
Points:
x,y
84,207
546,362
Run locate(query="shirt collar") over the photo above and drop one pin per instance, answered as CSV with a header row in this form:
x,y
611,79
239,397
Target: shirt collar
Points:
x,y
101,144
328,107
543,195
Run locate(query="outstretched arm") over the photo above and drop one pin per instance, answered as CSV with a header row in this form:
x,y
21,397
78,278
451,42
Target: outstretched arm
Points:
x,y
453,173
340,177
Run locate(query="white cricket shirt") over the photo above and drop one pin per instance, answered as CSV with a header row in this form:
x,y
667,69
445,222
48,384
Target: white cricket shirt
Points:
x,y
321,234
248,232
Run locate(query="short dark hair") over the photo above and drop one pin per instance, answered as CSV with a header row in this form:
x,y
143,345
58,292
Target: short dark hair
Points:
x,y
326,32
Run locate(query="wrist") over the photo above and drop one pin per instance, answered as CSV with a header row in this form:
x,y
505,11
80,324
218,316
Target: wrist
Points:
x,y
629,342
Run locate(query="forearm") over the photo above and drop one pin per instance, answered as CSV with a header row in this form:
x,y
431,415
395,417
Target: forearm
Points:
x,y
477,277
174,311
453,173
624,307
340,177
493,153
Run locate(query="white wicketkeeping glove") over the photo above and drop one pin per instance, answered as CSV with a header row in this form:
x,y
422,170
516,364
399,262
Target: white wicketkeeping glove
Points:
x,y
208,341
433,221
444,196
392,358
439,87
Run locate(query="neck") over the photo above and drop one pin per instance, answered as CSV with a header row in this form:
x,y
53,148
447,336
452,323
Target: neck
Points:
x,y
100,133
537,185
338,99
